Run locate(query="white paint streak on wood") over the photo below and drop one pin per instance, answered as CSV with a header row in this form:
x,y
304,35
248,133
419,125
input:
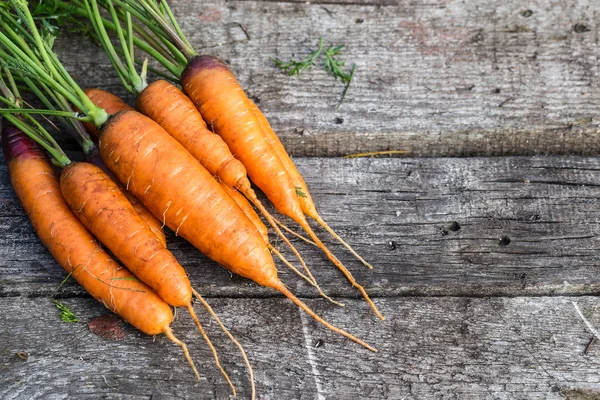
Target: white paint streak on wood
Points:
x,y
312,360
585,321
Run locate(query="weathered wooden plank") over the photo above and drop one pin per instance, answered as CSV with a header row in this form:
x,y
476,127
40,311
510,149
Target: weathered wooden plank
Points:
x,y
442,78
399,213
453,348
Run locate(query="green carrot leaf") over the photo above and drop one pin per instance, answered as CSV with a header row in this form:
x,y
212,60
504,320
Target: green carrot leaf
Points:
x,y
65,314
299,192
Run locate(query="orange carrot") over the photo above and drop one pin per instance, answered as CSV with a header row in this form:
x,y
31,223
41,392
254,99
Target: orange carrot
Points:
x,y
113,104
172,183
35,183
224,105
106,212
175,112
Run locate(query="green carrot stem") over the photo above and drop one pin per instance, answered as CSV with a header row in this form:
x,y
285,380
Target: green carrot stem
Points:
x,y
180,43
139,13
103,38
81,134
137,83
55,113
167,10
41,74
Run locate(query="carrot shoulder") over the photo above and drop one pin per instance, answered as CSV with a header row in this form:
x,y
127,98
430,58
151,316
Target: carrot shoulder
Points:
x,y
109,102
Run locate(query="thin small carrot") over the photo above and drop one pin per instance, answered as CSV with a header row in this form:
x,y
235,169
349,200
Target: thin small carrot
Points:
x,y
172,183
225,107
37,187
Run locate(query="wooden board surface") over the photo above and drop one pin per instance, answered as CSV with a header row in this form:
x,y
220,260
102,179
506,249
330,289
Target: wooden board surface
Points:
x,y
445,347
525,226
479,261
442,346
436,78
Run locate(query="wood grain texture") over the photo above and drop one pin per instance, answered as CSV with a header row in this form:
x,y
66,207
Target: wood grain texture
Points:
x,y
451,348
527,226
441,78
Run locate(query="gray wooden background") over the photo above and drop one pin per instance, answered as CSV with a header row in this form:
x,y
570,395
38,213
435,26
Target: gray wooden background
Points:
x,y
484,237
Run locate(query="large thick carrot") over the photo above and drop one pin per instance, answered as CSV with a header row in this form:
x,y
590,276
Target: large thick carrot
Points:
x,y
37,187
225,107
175,112
172,183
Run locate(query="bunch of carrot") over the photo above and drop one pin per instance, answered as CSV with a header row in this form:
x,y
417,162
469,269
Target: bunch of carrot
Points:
x,y
191,179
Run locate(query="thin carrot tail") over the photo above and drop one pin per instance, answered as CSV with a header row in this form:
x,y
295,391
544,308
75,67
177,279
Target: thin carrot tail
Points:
x,y
230,336
301,275
299,236
320,221
340,266
190,309
247,191
169,333
280,287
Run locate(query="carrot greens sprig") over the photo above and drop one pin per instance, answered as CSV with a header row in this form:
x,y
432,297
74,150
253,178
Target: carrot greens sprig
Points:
x,y
332,65
26,49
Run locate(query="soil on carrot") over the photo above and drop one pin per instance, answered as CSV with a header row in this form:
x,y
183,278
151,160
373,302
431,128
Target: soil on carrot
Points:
x,y
107,327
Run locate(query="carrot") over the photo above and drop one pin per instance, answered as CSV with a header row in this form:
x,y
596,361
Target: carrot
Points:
x,y
224,105
172,183
106,212
304,197
162,174
159,100
36,185
113,104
